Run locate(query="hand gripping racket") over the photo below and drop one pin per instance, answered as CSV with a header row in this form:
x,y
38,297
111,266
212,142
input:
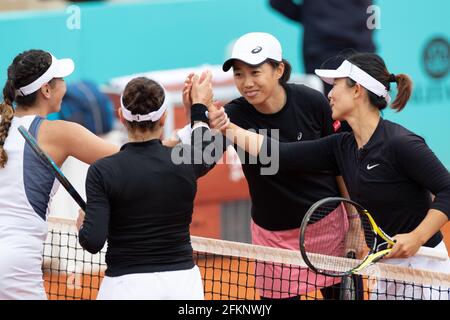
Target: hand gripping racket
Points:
x,y
336,226
52,166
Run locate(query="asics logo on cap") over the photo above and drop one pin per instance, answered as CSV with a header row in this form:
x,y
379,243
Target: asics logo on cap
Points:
x,y
257,50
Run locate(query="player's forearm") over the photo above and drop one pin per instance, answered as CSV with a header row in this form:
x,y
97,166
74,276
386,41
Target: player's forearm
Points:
x,y
432,223
94,231
246,140
342,187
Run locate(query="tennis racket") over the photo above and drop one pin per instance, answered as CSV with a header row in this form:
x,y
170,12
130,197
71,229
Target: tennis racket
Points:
x,y
352,284
336,226
49,163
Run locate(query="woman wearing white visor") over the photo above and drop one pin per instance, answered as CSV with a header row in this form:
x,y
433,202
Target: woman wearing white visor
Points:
x,y
386,168
35,86
141,201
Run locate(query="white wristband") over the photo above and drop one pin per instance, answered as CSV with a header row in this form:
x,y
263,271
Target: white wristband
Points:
x,y
200,124
184,134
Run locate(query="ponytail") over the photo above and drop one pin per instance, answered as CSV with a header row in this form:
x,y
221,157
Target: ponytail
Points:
x,y
6,113
404,91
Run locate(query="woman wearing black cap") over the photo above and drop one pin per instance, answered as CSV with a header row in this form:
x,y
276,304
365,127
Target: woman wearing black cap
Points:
x,y
141,201
280,198
386,168
34,88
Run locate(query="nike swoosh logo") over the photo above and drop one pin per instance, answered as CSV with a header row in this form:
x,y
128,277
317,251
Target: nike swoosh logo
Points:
x,y
369,167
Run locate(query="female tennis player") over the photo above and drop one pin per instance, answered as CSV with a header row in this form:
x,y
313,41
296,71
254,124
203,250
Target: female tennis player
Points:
x,y
141,201
35,85
388,169
279,199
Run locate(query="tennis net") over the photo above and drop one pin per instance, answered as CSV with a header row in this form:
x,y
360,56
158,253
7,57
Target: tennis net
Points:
x,y
232,270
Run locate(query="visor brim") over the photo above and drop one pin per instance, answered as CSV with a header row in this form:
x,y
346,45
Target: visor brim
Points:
x,y
229,63
64,68
328,76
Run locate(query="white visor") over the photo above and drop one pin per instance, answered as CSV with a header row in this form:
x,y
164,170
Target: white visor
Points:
x,y
349,70
152,116
58,69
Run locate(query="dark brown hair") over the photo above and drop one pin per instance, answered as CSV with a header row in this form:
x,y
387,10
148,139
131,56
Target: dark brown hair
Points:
x,y
374,65
25,68
142,96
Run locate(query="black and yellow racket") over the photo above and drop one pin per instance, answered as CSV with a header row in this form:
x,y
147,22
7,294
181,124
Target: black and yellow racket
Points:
x,y
336,226
49,163
351,287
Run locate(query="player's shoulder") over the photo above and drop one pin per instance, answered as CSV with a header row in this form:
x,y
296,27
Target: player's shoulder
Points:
x,y
107,165
304,91
399,138
237,105
307,98
61,126
396,133
241,112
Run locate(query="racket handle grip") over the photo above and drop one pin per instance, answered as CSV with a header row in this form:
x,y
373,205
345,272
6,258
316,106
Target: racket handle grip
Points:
x,y
432,253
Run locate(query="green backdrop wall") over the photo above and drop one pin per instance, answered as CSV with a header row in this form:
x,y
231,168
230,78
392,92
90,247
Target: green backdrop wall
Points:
x,y
117,39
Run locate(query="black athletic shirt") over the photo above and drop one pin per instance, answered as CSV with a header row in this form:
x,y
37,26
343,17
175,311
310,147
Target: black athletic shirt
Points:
x,y
142,202
391,176
280,201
